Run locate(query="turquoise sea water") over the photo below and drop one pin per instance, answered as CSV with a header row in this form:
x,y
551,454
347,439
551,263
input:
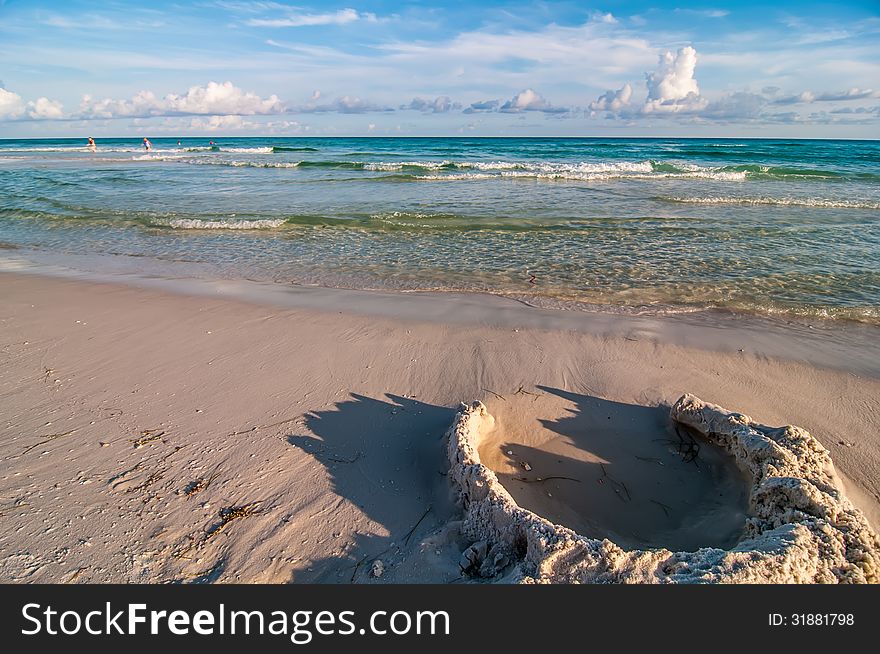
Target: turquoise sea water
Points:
x,y
665,225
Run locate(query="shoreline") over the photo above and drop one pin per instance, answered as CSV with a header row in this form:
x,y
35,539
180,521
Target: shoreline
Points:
x,y
845,345
136,412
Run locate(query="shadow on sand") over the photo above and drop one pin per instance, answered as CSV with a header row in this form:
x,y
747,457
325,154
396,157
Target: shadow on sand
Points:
x,y
619,471
388,458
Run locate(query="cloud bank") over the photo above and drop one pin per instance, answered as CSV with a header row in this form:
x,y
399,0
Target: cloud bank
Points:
x,y
13,107
212,99
671,92
439,105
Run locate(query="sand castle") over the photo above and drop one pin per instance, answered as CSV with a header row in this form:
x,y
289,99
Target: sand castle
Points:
x,y
801,527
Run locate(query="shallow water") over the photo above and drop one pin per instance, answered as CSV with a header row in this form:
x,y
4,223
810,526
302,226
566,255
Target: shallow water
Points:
x,y
644,225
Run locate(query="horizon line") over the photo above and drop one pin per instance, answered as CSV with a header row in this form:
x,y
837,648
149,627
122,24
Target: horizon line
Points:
x,y
459,136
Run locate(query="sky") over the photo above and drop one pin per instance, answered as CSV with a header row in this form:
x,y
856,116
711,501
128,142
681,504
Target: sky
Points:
x,y
446,68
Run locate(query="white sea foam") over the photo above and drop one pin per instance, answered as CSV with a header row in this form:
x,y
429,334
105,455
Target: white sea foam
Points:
x,y
262,164
267,150
715,175
389,166
68,149
157,156
795,202
456,176
242,164
73,149
196,223
564,168
403,214
530,166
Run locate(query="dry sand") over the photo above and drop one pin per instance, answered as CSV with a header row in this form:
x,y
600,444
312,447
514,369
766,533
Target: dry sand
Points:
x,y
150,435
801,527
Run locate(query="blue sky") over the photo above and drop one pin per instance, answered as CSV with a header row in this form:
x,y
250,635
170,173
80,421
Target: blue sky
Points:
x,y
614,68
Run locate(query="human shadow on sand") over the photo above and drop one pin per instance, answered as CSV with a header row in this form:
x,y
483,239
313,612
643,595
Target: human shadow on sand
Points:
x,y
387,457
627,473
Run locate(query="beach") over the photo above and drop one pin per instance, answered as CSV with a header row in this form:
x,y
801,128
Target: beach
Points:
x,y
181,429
243,360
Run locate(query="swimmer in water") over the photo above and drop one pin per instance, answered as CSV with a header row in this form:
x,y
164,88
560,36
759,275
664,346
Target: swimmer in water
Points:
x,y
92,147
147,144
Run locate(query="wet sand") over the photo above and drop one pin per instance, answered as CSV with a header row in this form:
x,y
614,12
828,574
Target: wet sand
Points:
x,y
175,430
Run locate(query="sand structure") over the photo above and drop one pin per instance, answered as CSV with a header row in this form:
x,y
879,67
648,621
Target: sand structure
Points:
x,y
801,527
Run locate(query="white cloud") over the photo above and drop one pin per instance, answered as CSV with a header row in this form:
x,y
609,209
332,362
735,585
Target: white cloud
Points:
x,y
529,100
808,97
556,55
672,88
613,101
608,18
92,21
439,105
341,17
851,94
13,107
346,104
45,109
482,107
705,13
11,104
212,99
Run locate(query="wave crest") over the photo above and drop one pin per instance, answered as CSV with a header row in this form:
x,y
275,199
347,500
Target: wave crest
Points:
x,y
785,202
197,223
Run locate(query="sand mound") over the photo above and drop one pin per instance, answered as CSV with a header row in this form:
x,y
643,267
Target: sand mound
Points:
x,y
802,528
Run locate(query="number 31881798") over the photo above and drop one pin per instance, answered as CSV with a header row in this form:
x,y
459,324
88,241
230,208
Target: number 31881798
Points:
x,y
811,620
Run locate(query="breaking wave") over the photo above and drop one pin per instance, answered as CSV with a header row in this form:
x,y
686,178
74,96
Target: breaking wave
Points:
x,y
197,223
783,202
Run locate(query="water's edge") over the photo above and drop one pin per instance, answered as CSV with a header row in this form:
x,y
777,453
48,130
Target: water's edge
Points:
x,y
838,345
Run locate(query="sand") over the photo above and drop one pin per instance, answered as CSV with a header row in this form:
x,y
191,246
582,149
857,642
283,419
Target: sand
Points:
x,y
612,470
801,527
161,431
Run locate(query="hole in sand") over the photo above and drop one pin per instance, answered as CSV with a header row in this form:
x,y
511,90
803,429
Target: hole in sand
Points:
x,y
618,471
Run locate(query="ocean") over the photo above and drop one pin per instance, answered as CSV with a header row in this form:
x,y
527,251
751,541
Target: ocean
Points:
x,y
781,227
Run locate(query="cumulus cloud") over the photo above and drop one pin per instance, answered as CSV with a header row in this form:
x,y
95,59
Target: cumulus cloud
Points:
x,y
672,88
613,101
45,109
439,105
291,19
529,100
12,106
482,107
526,100
214,99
